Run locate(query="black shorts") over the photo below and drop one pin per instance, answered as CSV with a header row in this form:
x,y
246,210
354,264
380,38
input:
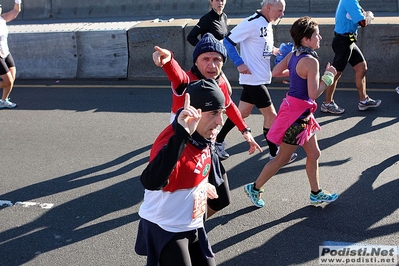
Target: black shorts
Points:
x,y
6,64
257,95
345,51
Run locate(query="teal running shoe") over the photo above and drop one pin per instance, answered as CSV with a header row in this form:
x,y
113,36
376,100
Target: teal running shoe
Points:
x,y
323,196
254,195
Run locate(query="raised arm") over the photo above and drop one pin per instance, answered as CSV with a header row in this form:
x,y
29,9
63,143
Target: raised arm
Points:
x,y
176,75
13,13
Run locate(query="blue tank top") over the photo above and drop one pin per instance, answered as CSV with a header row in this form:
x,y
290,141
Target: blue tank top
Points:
x,y
298,85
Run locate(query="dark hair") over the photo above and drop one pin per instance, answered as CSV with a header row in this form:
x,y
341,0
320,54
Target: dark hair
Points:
x,y
302,27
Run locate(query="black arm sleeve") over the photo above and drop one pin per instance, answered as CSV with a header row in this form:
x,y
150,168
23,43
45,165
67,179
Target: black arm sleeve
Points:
x,y
200,29
155,176
192,37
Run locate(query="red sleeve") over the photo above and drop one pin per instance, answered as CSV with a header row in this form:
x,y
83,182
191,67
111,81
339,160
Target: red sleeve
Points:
x,y
161,141
223,87
177,76
232,111
234,114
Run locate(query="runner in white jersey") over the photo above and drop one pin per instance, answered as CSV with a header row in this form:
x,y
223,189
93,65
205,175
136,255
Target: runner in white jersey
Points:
x,y
7,65
255,36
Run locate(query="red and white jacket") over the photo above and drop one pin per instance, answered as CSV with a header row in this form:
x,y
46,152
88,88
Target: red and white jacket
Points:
x,y
175,182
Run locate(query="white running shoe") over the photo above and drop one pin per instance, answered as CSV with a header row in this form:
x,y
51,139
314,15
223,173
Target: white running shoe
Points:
x,y
7,104
293,156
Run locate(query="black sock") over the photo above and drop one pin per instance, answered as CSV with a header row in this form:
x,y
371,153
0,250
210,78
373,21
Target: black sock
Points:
x,y
254,187
229,125
315,193
272,147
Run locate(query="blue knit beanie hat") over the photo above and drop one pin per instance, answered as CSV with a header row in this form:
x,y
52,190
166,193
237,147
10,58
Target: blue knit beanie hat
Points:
x,y
209,43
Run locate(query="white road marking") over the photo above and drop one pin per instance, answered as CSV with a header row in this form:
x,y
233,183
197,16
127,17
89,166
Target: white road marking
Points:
x,y
5,203
26,204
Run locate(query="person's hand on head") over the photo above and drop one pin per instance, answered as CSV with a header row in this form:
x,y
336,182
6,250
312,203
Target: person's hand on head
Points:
x,y
161,56
189,117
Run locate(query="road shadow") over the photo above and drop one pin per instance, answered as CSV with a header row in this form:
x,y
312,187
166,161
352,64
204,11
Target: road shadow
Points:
x,y
122,100
349,219
78,219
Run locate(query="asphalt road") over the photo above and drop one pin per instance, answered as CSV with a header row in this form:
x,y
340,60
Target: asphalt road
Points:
x,y
72,153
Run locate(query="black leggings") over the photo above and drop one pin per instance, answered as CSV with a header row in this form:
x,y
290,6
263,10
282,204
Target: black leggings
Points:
x,y
184,250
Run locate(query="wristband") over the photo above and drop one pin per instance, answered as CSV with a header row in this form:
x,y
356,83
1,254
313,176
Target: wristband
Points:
x,y
18,2
328,78
247,129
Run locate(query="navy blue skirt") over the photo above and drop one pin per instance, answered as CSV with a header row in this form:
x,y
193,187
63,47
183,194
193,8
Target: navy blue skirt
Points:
x,y
151,239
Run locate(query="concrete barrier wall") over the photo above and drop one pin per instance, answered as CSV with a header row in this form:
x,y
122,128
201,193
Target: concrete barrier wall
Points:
x,y
74,9
103,50
41,51
71,50
382,58
124,49
32,9
142,39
